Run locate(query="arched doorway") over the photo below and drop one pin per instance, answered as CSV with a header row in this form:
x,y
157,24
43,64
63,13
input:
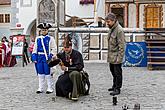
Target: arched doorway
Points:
x,y
31,31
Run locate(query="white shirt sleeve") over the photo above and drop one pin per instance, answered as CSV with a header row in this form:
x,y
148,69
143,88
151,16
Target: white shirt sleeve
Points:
x,y
53,47
35,46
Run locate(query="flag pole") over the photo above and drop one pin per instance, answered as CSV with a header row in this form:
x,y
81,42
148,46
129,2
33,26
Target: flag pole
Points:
x,y
95,12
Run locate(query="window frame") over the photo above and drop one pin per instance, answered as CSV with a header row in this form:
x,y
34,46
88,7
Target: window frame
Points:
x,y
1,18
5,18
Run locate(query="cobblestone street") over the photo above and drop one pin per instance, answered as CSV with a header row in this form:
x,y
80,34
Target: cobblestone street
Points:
x,y
18,87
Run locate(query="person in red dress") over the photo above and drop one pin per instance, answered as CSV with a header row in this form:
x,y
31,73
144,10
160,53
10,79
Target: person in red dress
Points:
x,y
11,60
4,49
4,55
0,55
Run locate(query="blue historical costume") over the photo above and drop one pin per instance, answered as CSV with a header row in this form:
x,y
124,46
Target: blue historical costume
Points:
x,y
44,50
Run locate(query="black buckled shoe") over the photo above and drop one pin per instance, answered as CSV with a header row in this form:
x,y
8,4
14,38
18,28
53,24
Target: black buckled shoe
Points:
x,y
74,98
115,92
38,92
49,92
111,89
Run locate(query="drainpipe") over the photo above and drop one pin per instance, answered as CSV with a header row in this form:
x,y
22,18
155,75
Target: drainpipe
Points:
x,y
137,14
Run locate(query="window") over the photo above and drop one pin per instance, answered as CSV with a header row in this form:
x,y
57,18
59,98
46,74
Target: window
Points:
x,y
7,18
26,3
4,18
1,18
86,1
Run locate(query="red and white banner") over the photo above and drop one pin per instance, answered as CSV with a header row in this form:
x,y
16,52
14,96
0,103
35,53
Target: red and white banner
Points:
x,y
17,45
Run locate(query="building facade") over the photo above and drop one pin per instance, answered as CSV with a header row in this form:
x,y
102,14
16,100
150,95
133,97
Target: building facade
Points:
x,y
138,13
5,14
22,16
26,14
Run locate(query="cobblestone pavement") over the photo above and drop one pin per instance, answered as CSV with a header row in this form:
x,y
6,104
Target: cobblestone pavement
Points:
x,y
18,86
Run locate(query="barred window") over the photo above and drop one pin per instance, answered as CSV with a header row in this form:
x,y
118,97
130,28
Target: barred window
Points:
x,y
1,18
7,18
86,1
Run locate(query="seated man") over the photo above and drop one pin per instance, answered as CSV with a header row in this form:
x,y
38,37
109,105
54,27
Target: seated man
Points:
x,y
70,84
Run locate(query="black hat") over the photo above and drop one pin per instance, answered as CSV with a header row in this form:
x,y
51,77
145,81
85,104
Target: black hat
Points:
x,y
110,16
44,26
67,40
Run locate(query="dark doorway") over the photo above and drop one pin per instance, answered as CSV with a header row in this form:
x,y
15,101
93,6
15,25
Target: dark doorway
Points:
x,y
119,12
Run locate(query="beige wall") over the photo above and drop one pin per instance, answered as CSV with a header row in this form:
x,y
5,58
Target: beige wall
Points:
x,y
132,16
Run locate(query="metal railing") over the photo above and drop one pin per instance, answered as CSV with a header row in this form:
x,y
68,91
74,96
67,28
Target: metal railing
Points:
x,y
93,43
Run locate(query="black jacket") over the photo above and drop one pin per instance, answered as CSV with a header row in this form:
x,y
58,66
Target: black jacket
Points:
x,y
75,61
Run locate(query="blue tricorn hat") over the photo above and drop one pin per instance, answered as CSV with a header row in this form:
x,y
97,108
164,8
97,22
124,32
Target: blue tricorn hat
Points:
x,y
44,26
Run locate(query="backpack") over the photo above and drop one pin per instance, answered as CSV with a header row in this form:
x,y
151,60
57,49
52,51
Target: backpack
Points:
x,y
85,82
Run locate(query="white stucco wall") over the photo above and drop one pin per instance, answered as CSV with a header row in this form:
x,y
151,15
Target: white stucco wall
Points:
x,y
5,9
141,16
27,14
132,16
100,6
5,27
74,8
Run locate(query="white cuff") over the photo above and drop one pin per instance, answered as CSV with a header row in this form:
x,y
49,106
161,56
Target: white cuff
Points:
x,y
66,69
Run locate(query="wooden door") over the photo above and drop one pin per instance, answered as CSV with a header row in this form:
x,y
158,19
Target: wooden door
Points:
x,y
153,16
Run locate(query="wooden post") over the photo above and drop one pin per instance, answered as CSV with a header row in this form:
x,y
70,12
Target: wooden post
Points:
x,y
137,15
95,12
126,15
